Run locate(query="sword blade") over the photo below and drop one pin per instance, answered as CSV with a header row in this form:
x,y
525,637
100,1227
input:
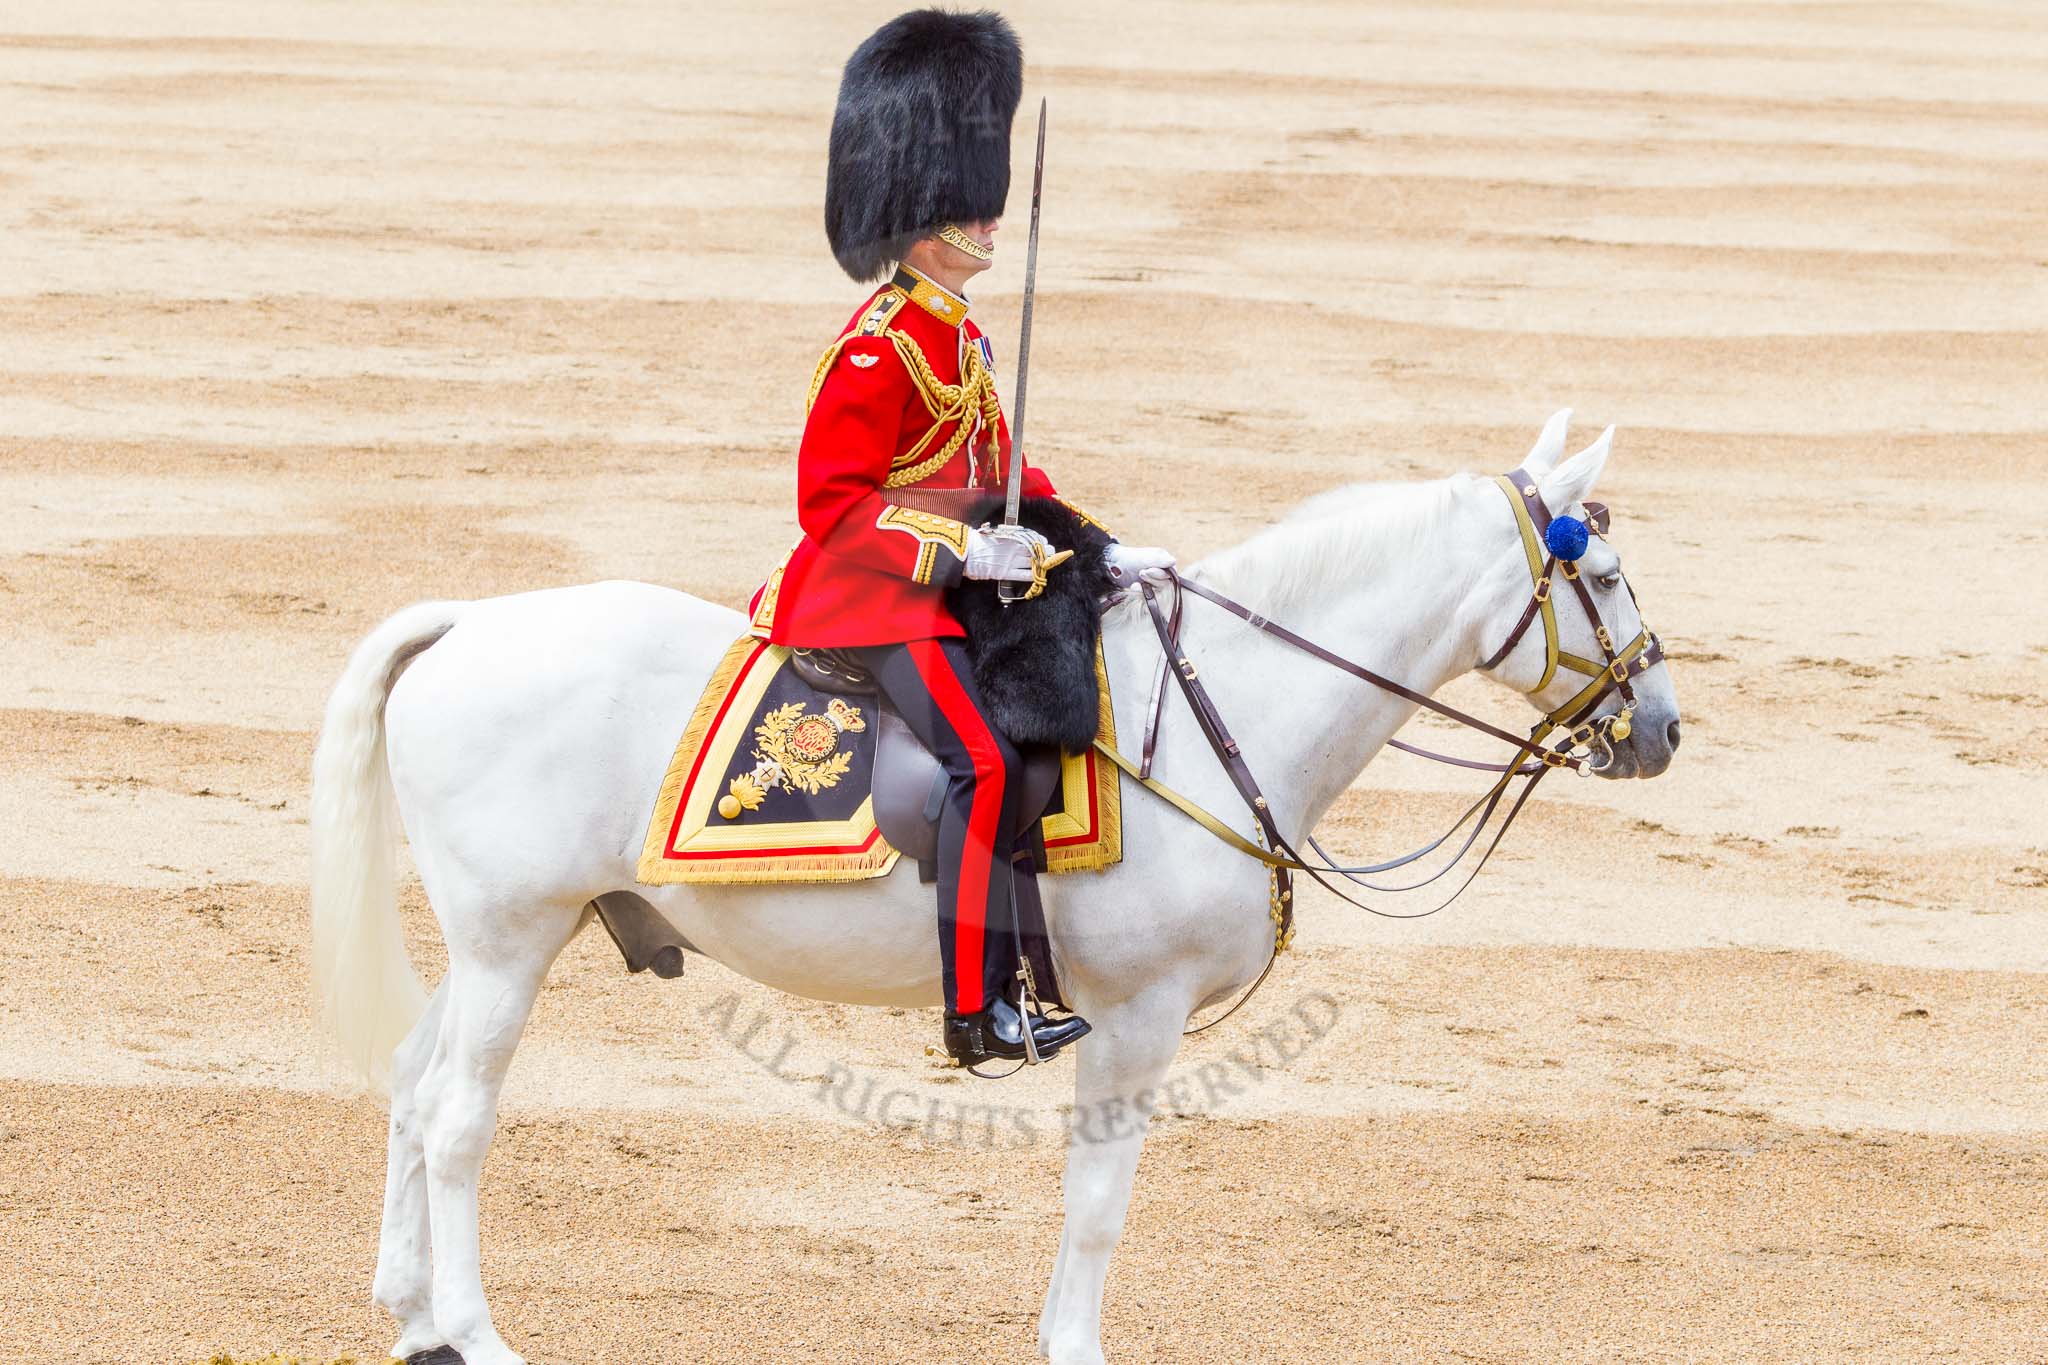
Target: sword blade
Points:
x,y
1013,494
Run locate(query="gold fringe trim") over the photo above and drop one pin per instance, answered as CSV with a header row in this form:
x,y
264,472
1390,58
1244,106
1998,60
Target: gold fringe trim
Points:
x,y
656,868
654,863
1107,848
783,869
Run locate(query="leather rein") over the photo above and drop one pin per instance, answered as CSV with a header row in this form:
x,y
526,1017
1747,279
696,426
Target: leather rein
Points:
x,y
1580,731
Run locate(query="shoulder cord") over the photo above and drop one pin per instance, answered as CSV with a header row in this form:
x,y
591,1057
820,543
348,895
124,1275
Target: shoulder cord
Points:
x,y
947,403
974,394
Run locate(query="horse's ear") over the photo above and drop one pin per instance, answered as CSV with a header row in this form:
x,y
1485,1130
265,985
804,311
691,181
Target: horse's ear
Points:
x,y
1569,483
1543,455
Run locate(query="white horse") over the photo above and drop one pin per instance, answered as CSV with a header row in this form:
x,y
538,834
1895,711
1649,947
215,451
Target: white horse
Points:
x,y
525,738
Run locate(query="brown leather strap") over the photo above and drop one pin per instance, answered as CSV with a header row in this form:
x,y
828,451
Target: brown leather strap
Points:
x,y
1524,484
1156,709
1387,684
1530,762
1528,616
1652,655
1476,764
1603,637
1597,518
1210,721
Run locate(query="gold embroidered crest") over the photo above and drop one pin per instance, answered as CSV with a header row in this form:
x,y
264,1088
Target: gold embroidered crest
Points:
x,y
796,751
699,832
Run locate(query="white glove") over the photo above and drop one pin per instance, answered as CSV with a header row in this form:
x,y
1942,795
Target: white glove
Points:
x,y
1004,555
1129,563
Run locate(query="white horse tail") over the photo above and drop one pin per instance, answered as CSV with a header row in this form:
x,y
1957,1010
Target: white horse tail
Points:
x,y
364,984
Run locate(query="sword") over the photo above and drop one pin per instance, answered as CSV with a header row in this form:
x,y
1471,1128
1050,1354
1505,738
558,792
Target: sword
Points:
x,y
1013,497
1013,494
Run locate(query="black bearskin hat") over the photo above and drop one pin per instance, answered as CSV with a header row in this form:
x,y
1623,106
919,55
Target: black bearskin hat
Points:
x,y
921,137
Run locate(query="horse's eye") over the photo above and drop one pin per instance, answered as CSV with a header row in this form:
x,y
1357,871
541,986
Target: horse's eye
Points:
x,y
1609,581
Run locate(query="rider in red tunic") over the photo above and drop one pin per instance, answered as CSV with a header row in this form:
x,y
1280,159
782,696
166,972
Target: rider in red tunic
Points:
x,y
904,403
904,398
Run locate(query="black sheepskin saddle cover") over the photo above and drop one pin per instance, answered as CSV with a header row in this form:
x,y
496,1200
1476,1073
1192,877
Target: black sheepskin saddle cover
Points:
x,y
1035,661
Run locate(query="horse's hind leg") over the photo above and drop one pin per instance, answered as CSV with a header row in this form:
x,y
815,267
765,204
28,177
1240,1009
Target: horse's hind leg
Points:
x,y
489,998
404,1284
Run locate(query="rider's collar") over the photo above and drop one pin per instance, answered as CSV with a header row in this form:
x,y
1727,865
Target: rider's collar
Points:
x,y
940,302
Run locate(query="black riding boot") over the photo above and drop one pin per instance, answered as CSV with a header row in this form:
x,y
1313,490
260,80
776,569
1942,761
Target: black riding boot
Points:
x,y
997,1032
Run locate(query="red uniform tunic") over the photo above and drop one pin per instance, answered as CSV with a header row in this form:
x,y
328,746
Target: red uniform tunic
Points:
x,y
904,399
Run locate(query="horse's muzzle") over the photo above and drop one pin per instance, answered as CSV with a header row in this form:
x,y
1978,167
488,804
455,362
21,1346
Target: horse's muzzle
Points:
x,y
1647,751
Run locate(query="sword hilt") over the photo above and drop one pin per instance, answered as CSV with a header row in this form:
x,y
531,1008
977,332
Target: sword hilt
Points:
x,y
1043,561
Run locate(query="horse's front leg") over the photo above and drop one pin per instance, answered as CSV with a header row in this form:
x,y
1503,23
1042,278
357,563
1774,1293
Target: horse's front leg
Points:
x,y
1049,1314
1119,1070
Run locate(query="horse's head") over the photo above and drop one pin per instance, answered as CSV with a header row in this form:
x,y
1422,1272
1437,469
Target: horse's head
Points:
x,y
1562,625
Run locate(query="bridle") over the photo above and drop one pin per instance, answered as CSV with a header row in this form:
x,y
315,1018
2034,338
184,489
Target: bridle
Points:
x,y
1615,668
1551,555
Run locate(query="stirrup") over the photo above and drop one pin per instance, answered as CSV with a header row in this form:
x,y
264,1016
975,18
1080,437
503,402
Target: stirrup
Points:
x,y
972,1041
1027,1005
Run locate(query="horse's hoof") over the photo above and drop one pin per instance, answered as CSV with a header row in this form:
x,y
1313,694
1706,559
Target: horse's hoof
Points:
x,y
440,1355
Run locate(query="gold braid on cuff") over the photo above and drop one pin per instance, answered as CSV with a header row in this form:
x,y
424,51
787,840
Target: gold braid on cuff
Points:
x,y
952,236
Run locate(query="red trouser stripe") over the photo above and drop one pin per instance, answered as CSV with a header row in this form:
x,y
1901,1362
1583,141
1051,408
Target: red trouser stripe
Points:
x,y
984,818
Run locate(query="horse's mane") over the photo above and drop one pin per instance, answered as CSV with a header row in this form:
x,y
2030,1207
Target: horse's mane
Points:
x,y
1335,537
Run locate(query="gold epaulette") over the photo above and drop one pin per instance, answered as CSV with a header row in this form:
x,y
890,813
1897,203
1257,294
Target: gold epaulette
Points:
x,y
873,322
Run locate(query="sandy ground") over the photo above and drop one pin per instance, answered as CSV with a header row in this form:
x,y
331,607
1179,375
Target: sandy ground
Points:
x,y
311,310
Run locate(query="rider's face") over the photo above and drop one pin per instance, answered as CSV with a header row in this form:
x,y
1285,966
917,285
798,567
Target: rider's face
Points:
x,y
948,264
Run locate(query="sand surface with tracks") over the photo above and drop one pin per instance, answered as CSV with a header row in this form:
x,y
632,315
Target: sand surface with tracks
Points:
x,y
309,311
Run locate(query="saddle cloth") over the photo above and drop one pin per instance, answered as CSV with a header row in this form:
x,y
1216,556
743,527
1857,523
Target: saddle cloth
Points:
x,y
773,781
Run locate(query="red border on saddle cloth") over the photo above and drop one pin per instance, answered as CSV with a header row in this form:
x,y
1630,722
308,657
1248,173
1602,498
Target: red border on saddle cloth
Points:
x,y
688,842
